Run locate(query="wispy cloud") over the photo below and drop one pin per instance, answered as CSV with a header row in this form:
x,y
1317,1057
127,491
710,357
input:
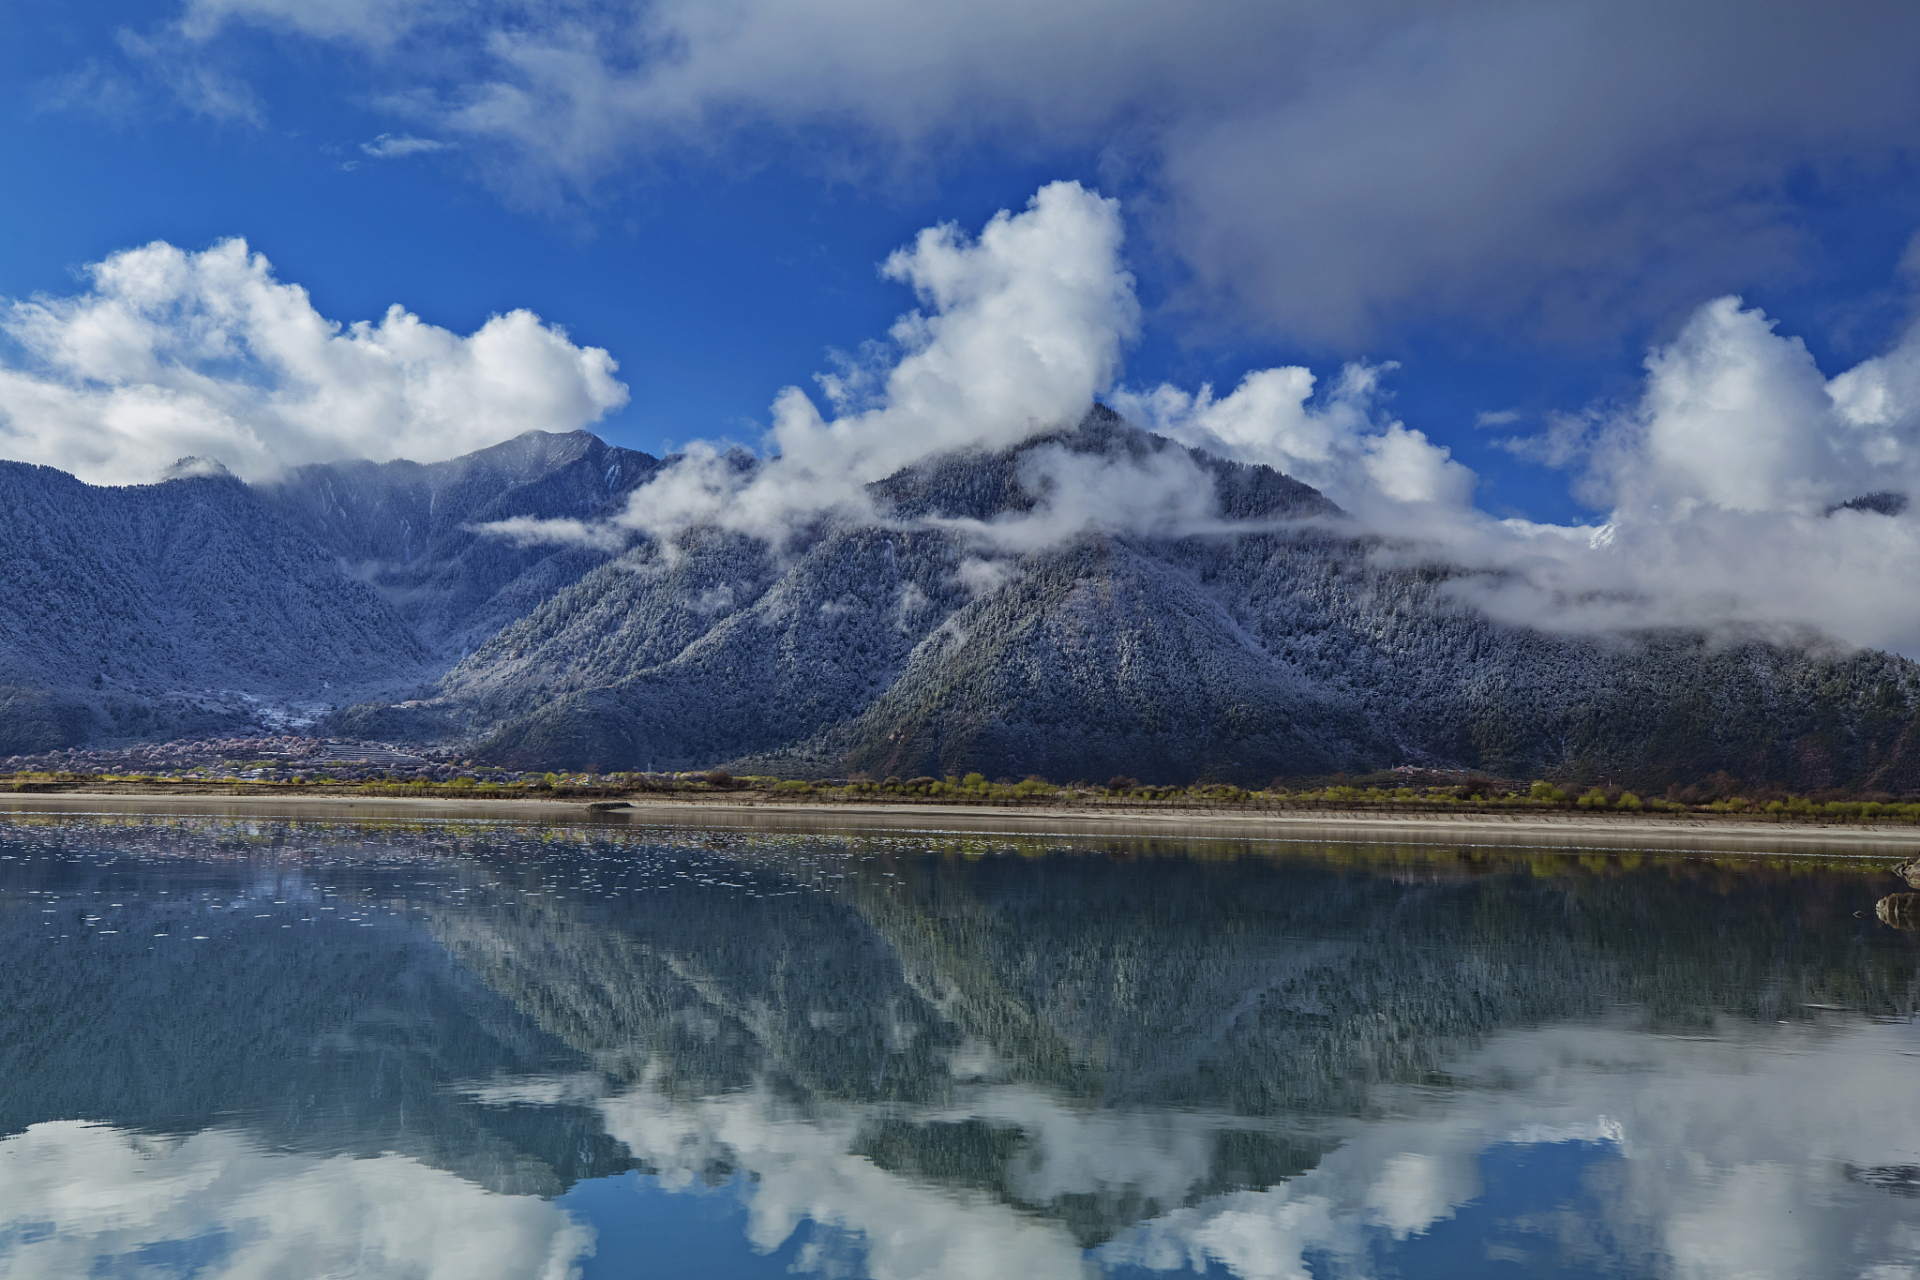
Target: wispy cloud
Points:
x,y
158,74
374,23
390,146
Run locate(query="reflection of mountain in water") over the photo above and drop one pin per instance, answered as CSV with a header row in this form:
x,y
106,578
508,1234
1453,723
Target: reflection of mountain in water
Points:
x,y
326,1036
1269,996
1094,1037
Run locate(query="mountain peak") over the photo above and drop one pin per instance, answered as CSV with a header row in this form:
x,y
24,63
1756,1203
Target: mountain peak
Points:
x,y
978,484
193,467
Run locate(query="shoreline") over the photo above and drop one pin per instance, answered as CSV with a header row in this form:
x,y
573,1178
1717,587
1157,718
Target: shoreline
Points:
x,y
1570,831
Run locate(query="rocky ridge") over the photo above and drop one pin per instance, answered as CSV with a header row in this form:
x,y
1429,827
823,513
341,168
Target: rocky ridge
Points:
x,y
415,532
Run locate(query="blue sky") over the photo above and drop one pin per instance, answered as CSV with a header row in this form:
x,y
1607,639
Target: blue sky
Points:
x,y
717,236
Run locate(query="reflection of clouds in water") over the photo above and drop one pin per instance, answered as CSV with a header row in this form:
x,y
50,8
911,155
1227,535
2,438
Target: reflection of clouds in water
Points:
x,y
1733,1157
1733,1153
77,1199
804,1169
1736,1151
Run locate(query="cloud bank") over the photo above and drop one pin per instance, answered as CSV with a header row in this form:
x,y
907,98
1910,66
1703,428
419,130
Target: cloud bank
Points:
x,y
1320,169
1743,490
170,353
1694,1188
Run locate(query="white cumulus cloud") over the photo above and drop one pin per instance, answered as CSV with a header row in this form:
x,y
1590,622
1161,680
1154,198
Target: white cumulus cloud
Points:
x,y
1021,328
1744,487
1338,445
170,353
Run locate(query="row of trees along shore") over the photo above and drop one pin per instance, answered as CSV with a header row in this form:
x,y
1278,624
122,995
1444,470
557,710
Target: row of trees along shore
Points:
x,y
1397,791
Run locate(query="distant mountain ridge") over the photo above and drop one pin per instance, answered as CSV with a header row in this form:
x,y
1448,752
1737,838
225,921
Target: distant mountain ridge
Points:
x,y
1282,645
410,528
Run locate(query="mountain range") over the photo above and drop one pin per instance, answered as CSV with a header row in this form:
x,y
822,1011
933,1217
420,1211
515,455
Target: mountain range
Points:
x,y
368,599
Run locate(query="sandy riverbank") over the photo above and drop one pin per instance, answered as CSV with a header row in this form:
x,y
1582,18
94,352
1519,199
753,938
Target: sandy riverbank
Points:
x,y
1551,830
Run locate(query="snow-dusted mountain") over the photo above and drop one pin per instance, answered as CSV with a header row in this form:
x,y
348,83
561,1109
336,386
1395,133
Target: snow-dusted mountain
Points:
x,y
180,607
202,605
887,649
901,645
410,529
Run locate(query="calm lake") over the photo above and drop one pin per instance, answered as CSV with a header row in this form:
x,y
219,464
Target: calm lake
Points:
x,y
470,1050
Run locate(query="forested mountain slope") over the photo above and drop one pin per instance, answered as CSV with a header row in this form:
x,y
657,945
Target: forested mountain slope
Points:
x,y
165,608
1286,647
411,530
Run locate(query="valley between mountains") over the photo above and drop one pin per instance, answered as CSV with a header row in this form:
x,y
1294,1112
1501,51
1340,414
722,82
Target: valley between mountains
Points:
x,y
374,601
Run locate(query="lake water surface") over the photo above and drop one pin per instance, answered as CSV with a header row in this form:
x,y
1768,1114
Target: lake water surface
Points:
x,y
478,1050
